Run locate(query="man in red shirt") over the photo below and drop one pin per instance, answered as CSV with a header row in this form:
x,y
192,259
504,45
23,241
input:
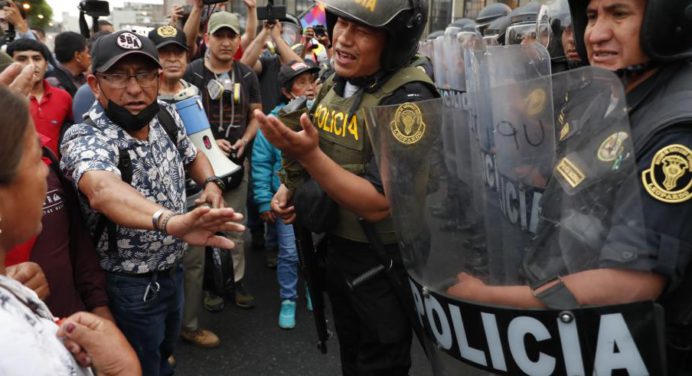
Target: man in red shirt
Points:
x,y
50,107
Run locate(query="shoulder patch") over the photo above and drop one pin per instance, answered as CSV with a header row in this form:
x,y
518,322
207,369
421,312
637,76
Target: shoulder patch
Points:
x,y
408,126
669,178
612,147
536,101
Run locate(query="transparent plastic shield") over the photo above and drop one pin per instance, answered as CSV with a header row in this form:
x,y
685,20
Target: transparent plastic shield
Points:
x,y
440,66
512,107
558,195
591,213
408,142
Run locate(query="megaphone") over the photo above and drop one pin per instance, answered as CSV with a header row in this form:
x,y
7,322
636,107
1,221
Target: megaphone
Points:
x,y
198,129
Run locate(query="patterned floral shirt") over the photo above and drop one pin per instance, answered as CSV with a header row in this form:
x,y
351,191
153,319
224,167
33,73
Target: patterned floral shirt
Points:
x,y
157,173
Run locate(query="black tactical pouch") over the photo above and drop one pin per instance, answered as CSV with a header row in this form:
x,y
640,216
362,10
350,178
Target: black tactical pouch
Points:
x,y
315,210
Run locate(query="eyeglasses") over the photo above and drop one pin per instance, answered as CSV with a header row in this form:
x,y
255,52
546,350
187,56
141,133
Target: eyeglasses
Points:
x,y
120,80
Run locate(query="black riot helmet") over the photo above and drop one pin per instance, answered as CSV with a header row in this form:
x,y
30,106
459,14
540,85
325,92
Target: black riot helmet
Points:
x,y
494,34
402,20
522,26
490,13
666,31
553,19
464,29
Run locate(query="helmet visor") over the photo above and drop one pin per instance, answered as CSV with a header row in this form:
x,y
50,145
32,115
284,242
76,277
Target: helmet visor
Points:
x,y
492,40
290,33
521,34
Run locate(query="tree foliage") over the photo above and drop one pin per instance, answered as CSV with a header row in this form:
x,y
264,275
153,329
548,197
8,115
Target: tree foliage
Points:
x,y
37,8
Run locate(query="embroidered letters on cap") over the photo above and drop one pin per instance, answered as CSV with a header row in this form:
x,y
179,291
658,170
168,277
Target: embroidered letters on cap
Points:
x,y
129,41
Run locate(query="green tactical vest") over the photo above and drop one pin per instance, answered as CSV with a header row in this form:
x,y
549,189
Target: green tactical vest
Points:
x,y
345,140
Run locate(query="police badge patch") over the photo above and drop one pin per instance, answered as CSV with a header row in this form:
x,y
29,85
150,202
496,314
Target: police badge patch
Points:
x,y
535,102
408,126
612,147
669,179
166,31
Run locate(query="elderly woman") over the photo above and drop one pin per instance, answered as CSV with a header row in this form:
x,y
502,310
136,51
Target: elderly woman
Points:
x,y
27,328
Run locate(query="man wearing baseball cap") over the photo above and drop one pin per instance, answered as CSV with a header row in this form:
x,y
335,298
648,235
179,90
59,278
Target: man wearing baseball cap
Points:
x,y
129,166
230,94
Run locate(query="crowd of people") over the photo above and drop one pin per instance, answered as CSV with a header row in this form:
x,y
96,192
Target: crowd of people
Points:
x,y
109,207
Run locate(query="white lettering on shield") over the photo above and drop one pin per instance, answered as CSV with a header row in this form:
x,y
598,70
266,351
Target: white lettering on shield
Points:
x,y
615,347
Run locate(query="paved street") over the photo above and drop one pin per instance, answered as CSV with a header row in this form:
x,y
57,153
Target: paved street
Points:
x,y
252,344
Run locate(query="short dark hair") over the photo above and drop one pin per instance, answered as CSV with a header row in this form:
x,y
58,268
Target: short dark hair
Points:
x,y
12,132
23,44
67,44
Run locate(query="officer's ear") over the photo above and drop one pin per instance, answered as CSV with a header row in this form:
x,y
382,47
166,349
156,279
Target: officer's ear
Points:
x,y
285,93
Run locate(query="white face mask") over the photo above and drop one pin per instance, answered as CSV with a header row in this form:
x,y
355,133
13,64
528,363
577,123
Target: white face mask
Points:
x,y
309,103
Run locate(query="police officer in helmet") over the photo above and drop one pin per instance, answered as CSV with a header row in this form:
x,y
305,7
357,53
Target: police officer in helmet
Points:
x,y
374,43
648,43
490,13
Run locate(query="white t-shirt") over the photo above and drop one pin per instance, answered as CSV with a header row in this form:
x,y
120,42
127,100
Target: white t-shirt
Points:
x,y
28,339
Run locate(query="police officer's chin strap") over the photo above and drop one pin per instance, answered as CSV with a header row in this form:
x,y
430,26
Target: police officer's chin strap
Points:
x,y
632,72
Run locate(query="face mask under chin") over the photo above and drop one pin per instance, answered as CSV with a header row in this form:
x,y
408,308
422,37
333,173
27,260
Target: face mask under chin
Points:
x,y
126,120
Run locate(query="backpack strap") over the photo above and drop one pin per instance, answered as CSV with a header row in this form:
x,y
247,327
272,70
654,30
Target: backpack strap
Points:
x,y
169,125
103,223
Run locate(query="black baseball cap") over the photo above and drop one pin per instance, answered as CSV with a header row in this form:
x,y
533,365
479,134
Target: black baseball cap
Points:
x,y
294,69
165,35
111,48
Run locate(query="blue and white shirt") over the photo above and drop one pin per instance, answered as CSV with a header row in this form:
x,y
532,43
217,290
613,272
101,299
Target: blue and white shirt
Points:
x,y
157,173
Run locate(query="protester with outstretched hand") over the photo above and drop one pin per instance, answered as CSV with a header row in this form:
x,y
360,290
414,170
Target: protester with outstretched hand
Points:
x,y
129,160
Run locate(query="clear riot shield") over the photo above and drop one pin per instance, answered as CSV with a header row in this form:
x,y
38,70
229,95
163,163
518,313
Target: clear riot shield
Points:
x,y
426,48
578,182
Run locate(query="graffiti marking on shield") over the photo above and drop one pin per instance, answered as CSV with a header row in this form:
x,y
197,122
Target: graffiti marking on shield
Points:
x,y
408,126
669,178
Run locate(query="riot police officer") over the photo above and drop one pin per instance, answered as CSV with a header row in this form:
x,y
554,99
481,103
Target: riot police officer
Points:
x,y
522,28
490,13
648,45
374,43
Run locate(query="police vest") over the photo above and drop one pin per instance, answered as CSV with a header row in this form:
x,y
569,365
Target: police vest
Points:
x,y
344,139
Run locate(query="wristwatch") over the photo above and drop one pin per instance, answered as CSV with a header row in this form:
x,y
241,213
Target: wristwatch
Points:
x,y
216,180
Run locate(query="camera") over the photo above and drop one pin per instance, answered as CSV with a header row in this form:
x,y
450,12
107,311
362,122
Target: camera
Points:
x,y
320,30
95,8
271,12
